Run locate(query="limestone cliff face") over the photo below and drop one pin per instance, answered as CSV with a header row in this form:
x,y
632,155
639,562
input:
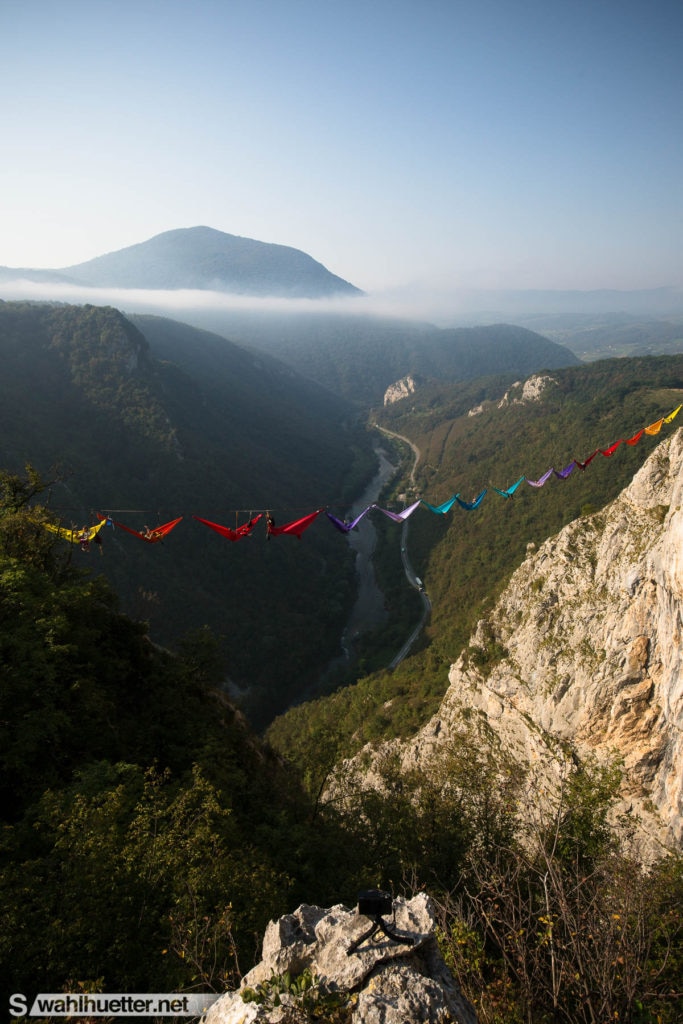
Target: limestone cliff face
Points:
x,y
401,389
585,646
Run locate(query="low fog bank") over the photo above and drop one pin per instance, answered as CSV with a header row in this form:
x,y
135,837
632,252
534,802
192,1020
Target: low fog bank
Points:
x,y
443,308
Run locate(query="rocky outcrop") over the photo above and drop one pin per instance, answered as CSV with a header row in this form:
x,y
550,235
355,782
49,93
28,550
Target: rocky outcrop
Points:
x,y
583,651
383,981
401,389
529,391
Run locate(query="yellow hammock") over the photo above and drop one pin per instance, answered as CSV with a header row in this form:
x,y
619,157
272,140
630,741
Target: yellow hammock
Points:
x,y
82,536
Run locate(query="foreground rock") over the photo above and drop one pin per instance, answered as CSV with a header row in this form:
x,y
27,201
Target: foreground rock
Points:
x,y
388,982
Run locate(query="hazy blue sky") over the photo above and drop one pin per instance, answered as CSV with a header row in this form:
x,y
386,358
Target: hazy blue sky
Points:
x,y
486,143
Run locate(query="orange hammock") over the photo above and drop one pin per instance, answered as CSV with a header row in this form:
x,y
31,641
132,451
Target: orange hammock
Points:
x,y
151,536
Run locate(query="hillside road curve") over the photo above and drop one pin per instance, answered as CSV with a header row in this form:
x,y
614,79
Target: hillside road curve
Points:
x,y
411,576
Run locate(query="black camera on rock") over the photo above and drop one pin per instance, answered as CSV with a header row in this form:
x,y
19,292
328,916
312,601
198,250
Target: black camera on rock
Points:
x,y
374,903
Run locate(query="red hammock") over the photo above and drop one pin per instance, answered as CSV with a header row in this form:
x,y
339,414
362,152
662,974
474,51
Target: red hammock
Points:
x,y
242,531
629,440
151,536
296,528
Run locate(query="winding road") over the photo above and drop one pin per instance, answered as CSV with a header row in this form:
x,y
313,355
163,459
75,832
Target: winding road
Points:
x,y
411,576
426,603
406,440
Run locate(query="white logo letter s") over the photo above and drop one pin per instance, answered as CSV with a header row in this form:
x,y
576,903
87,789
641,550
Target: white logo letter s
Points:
x,y
18,1007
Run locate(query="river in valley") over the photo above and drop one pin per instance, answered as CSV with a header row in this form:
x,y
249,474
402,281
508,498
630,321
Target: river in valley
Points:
x,y
369,611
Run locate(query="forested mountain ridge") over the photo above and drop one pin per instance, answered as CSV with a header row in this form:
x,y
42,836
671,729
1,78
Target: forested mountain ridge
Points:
x,y
354,354
220,433
359,356
205,259
488,435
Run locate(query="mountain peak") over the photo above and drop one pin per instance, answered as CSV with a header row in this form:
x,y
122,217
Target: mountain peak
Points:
x,y
209,260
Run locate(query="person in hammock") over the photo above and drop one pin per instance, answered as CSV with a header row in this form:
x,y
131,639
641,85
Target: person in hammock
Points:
x,y
270,525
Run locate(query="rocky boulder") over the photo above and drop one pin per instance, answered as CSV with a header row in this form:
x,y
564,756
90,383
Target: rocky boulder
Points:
x,y
379,980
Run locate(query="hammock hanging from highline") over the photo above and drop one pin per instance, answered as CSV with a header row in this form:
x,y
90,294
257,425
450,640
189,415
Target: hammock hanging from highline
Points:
x,y
238,533
150,536
343,525
83,536
295,528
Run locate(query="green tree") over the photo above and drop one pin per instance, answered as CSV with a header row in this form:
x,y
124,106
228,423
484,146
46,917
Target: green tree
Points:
x,y
132,874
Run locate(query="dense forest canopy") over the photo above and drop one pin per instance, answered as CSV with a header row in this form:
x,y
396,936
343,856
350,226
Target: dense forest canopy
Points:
x,y
136,803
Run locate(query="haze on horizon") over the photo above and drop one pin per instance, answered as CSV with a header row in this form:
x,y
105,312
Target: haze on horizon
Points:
x,y
405,145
